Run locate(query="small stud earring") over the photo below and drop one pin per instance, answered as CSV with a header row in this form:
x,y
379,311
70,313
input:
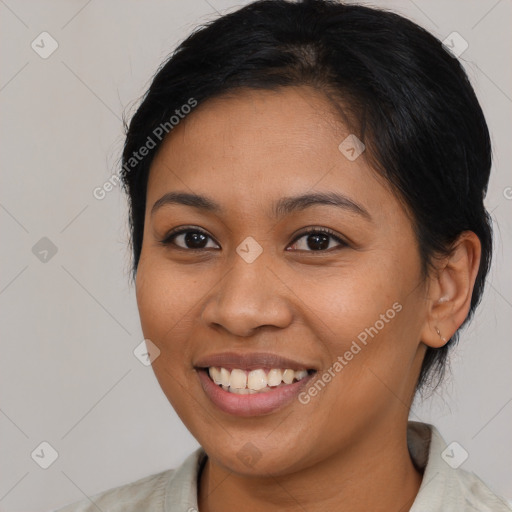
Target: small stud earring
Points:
x,y
445,298
439,334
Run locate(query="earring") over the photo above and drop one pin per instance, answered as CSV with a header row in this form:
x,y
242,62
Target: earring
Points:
x,y
439,334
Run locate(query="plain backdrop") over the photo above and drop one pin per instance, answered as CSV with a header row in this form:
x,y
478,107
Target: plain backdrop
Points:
x,y
68,373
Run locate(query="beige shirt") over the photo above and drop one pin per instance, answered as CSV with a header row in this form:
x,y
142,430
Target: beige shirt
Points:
x,y
445,487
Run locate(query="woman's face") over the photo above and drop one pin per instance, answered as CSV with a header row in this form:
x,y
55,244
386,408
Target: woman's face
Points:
x,y
246,278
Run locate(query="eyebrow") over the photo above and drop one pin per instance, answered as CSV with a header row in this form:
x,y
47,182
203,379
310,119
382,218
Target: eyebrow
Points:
x,y
281,208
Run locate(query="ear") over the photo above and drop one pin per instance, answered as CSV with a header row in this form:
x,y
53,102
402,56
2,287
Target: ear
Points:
x,y
450,290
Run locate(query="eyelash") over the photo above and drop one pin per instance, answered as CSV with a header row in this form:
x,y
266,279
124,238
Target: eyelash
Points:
x,y
167,241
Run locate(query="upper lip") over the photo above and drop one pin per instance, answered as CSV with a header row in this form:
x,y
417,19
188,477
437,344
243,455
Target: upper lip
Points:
x,y
250,361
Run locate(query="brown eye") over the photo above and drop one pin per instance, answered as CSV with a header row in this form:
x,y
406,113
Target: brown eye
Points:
x,y
192,239
317,240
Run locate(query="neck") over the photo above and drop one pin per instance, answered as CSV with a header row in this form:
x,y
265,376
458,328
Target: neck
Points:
x,y
377,474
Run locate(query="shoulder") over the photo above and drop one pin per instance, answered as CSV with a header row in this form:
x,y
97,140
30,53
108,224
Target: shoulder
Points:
x,y
446,487
147,494
478,496
169,490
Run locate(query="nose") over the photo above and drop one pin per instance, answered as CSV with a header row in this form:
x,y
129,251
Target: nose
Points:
x,y
248,297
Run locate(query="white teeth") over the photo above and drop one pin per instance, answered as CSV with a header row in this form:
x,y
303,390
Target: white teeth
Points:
x,y
255,381
288,376
238,379
299,375
224,375
274,377
215,375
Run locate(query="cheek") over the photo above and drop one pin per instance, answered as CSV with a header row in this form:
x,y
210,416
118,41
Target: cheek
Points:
x,y
165,296
369,321
347,300
166,300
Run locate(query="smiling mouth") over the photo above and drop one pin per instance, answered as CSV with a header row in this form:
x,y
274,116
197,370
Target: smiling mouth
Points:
x,y
261,380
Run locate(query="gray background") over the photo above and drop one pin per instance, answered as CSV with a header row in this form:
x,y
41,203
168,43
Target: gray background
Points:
x,y
70,323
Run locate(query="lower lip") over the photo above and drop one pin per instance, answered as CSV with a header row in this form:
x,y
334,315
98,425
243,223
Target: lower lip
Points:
x,y
253,404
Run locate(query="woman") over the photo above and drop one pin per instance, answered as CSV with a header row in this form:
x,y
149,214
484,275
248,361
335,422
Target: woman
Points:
x,y
306,184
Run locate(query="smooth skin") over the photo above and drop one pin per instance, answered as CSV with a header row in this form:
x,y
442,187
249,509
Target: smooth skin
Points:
x,y
346,449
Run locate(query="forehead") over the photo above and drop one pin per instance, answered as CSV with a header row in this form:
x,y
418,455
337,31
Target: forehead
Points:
x,y
258,145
